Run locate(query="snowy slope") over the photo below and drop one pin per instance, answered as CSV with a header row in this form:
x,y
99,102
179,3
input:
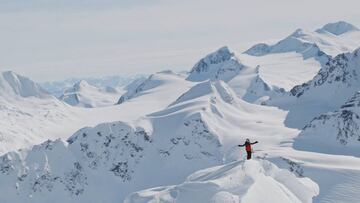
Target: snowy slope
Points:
x,y
244,80
240,181
221,64
173,125
154,83
118,82
283,70
26,111
336,81
332,39
204,123
338,28
14,85
26,121
297,58
250,87
334,132
83,94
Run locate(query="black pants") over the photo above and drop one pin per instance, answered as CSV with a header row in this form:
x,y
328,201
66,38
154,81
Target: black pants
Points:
x,y
248,154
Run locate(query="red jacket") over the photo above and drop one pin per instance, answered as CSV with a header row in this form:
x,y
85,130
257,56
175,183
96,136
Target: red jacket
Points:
x,y
248,145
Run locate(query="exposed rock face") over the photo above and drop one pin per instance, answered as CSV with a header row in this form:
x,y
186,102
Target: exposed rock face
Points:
x,y
339,72
345,121
221,65
336,132
116,152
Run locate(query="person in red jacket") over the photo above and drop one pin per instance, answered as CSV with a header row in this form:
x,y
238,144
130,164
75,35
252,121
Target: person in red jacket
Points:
x,y
248,149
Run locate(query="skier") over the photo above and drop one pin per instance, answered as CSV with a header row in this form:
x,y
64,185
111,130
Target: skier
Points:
x,y
248,149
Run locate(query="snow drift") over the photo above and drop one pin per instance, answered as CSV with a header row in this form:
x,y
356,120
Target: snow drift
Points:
x,y
240,181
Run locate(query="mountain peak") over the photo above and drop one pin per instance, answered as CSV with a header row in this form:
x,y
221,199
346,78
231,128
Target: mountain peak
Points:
x,y
298,33
220,64
338,28
216,57
217,89
82,84
86,95
13,83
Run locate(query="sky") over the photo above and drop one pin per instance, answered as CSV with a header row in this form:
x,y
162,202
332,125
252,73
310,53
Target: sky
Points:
x,y
57,39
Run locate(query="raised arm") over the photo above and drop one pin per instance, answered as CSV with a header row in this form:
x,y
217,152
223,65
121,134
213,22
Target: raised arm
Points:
x,y
254,142
241,145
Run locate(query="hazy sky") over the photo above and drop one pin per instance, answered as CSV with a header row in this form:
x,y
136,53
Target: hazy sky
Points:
x,y
55,39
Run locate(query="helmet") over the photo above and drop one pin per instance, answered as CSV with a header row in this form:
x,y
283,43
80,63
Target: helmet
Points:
x,y
247,140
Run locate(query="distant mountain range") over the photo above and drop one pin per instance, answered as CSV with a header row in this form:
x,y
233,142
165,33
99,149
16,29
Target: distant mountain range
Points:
x,y
174,137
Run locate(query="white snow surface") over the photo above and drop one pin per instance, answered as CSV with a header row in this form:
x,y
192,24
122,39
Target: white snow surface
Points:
x,y
154,83
171,125
14,85
249,181
330,88
283,70
334,132
127,156
221,64
26,121
82,94
118,82
332,39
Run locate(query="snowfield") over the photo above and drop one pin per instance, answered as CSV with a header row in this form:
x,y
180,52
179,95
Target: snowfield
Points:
x,y
241,181
334,132
85,95
174,137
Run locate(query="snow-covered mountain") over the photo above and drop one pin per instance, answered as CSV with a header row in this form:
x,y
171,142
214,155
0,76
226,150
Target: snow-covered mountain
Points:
x,y
240,181
335,132
338,28
26,121
330,40
249,86
297,58
339,74
153,83
85,95
171,125
14,85
127,156
224,65
25,110
57,88
113,153
336,81
221,64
